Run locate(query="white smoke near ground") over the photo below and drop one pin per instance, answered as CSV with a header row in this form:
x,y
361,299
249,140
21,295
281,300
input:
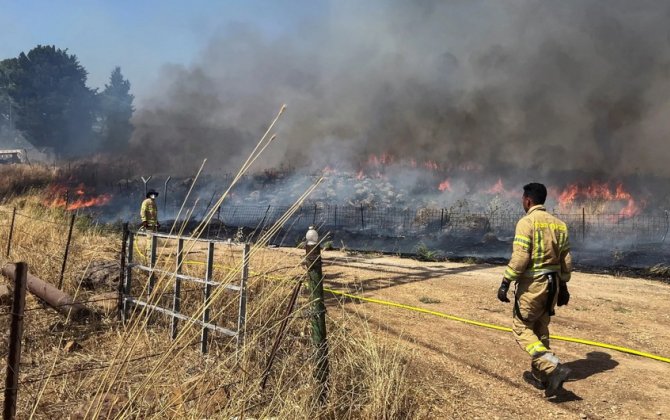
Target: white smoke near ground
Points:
x,y
520,89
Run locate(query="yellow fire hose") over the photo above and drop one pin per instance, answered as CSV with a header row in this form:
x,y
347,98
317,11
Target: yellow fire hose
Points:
x,y
452,317
498,327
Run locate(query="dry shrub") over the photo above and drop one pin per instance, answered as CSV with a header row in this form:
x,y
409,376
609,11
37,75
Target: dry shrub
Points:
x,y
370,377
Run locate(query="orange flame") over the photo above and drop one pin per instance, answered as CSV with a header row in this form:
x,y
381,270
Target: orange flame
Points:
x,y
383,159
79,199
498,188
444,186
599,191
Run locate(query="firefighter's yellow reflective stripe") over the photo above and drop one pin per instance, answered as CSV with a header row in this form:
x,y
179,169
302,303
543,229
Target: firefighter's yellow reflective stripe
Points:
x,y
563,243
536,348
552,226
538,250
511,274
522,238
456,318
524,246
523,241
533,272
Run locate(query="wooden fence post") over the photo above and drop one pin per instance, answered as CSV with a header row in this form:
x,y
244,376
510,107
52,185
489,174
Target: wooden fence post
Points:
x,y
15,337
208,292
67,251
122,272
11,232
127,280
318,313
176,299
242,313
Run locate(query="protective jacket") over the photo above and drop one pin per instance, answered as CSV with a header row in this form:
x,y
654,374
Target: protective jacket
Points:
x,y
540,247
540,253
149,212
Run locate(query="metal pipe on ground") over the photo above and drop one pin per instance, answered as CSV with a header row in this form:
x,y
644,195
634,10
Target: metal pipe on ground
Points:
x,y
60,301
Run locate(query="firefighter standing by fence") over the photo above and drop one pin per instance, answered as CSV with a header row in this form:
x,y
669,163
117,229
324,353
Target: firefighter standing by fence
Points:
x,y
540,265
149,212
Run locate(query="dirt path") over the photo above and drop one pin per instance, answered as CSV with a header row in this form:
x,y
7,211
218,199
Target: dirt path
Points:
x,y
471,372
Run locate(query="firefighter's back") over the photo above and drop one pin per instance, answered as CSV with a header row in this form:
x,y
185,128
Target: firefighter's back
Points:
x,y
550,238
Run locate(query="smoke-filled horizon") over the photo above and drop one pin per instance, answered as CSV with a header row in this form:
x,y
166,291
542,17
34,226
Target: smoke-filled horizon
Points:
x,y
525,87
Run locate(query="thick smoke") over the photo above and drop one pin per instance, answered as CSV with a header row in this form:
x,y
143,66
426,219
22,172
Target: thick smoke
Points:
x,y
522,87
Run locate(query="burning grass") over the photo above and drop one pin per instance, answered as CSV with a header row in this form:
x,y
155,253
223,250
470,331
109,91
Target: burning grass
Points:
x,y
156,379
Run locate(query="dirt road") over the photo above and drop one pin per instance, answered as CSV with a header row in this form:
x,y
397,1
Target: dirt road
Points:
x,y
470,372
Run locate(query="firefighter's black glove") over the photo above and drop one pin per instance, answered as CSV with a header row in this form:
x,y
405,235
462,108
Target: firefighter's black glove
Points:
x,y
144,224
158,225
563,294
502,291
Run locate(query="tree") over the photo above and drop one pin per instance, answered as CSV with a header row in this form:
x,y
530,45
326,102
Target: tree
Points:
x,y
7,107
54,108
116,106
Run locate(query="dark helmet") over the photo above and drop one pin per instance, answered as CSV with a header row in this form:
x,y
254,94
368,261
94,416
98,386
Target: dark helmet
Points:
x,y
152,192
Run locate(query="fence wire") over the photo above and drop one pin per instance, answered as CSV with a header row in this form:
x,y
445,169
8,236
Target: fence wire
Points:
x,y
395,221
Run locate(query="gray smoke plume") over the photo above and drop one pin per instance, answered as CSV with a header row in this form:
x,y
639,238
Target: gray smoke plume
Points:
x,y
524,87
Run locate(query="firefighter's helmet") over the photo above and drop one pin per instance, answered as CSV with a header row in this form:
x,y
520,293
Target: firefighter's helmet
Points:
x,y
152,192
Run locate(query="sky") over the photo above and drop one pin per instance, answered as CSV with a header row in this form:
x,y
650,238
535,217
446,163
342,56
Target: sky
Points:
x,y
140,36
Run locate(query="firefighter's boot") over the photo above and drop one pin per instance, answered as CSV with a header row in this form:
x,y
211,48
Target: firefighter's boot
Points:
x,y
533,380
555,380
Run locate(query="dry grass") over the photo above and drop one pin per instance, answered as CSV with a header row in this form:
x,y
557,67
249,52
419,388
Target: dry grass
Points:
x,y
134,370
152,377
17,179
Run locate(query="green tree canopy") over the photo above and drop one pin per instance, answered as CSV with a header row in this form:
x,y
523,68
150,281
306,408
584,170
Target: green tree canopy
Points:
x,y
6,104
116,110
54,108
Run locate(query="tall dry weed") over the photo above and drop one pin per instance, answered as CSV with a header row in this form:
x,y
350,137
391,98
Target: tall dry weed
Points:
x,y
368,377
18,179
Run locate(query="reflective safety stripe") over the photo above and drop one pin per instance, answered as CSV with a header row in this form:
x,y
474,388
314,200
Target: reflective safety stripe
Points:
x,y
552,226
538,251
536,349
563,243
511,274
551,358
521,241
532,272
522,238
